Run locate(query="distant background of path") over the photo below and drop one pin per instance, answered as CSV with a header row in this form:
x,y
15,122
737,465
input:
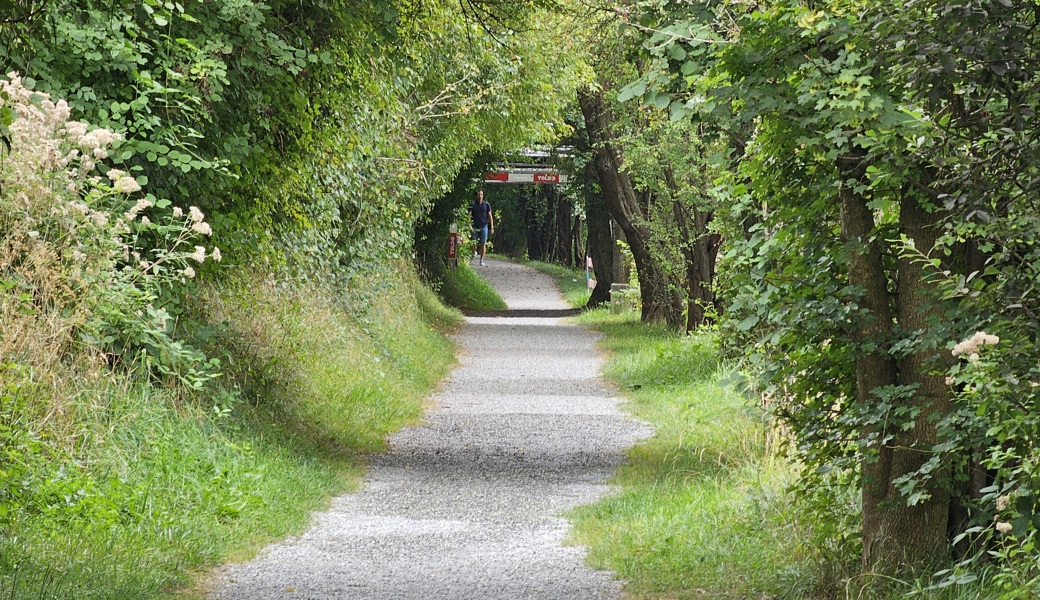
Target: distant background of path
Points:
x,y
467,505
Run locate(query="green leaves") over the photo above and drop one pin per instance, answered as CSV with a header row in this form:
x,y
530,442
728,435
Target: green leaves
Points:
x,y
636,89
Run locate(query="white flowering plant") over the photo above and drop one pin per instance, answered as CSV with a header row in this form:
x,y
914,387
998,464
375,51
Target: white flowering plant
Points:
x,y
84,256
999,421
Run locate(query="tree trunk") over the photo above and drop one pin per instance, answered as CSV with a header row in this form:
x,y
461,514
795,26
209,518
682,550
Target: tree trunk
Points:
x,y
577,235
875,369
661,303
700,250
601,247
530,208
924,527
564,228
895,536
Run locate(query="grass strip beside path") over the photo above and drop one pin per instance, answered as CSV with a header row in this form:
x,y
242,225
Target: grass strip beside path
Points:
x,y
701,510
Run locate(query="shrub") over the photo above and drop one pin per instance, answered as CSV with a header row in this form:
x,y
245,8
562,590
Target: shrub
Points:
x,y
86,260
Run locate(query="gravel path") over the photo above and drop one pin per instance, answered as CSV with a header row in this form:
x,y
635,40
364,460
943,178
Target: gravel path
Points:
x,y
467,505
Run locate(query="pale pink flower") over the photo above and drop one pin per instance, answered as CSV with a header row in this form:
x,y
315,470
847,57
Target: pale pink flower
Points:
x,y
177,212
195,214
216,254
188,272
200,254
1004,527
141,204
75,130
972,345
203,228
127,185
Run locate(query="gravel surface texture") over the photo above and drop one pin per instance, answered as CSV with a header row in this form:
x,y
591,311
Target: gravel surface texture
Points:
x,y
468,504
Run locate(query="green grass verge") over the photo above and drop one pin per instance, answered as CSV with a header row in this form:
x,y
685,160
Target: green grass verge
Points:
x,y
141,489
701,510
571,281
463,288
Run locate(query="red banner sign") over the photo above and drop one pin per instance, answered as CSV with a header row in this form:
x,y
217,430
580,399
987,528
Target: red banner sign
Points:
x,y
529,176
453,245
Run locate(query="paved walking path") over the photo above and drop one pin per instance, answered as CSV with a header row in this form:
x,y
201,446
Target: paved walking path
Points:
x,y
467,505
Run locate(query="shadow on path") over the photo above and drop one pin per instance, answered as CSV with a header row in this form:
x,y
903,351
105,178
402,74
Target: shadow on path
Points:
x,y
526,313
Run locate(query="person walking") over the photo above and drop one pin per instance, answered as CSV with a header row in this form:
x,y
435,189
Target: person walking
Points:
x,y
483,223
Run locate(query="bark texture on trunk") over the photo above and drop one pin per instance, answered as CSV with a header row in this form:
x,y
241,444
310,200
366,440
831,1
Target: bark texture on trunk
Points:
x,y
601,248
875,369
700,250
895,536
923,528
661,303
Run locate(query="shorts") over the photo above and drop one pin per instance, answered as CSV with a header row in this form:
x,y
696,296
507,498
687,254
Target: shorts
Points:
x,y
480,235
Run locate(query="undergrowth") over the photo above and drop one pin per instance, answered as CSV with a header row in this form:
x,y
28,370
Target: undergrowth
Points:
x,y
128,488
702,510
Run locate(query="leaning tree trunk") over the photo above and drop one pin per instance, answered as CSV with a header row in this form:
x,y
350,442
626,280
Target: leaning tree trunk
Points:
x,y
895,535
661,303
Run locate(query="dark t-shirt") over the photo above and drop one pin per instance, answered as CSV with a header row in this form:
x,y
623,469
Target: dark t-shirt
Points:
x,y
480,212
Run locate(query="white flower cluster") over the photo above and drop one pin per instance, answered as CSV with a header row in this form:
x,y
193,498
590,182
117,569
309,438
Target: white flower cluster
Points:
x,y
972,345
45,137
123,183
197,223
49,175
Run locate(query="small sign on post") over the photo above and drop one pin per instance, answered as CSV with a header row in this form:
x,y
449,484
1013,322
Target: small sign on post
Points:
x,y
453,245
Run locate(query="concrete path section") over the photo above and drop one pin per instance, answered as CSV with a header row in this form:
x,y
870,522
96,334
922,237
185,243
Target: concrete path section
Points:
x,y
467,505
